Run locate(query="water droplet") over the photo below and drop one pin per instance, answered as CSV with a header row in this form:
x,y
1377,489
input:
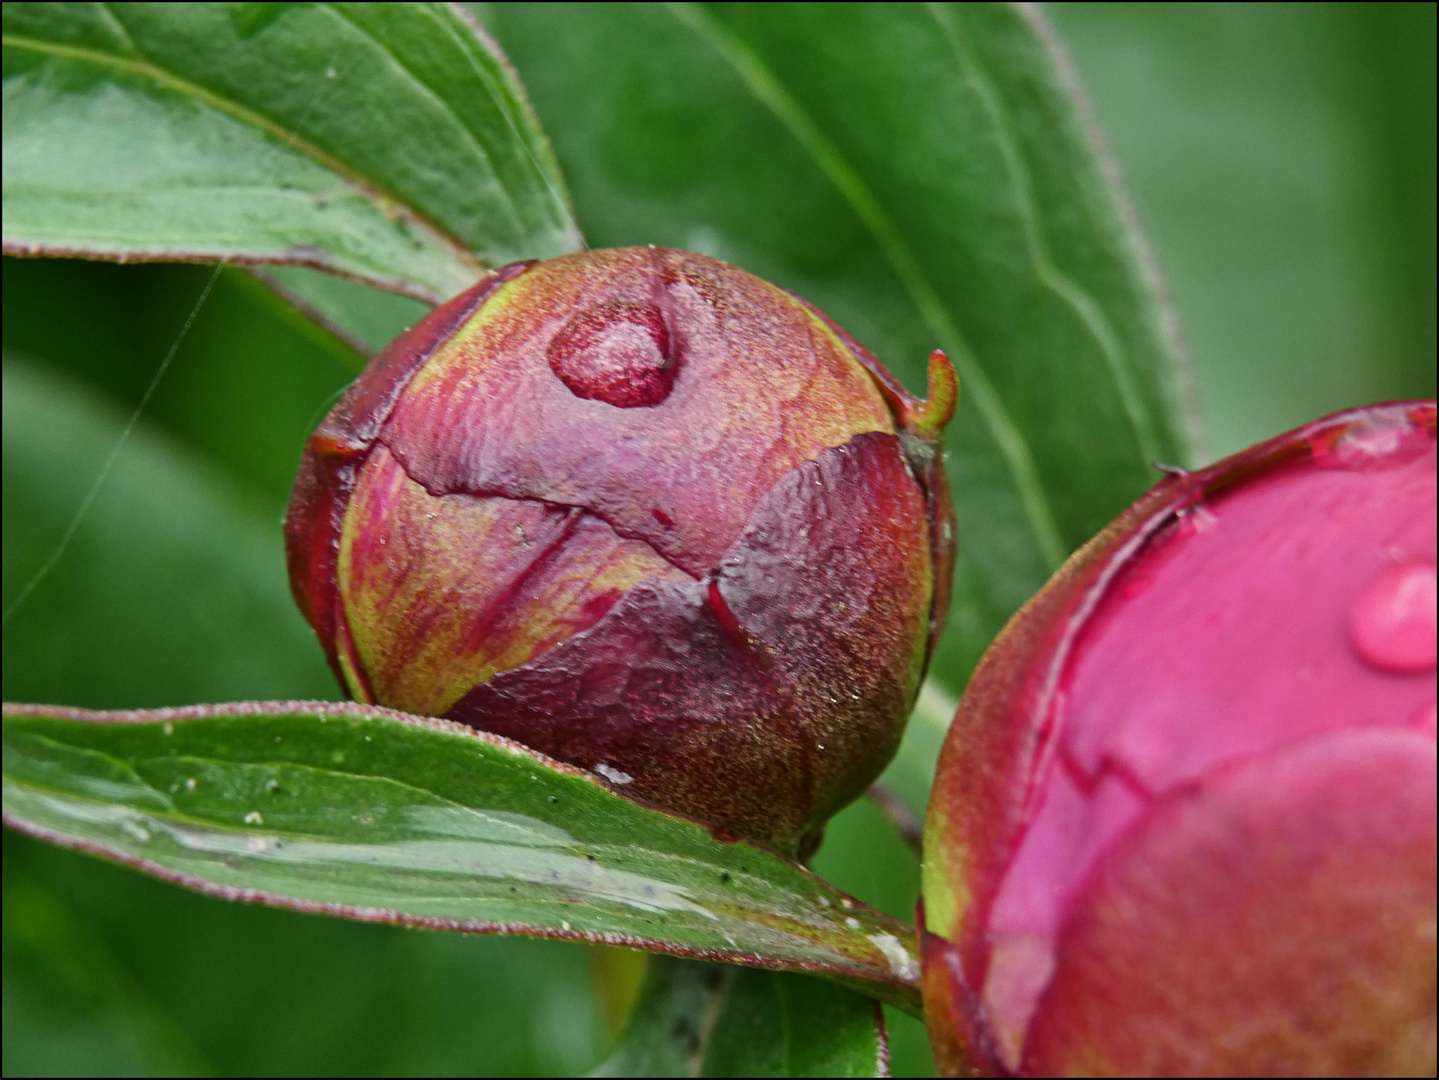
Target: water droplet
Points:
x,y
272,785
1197,519
135,829
846,902
1392,624
329,73
851,922
191,784
254,818
613,775
168,728
564,925
618,352
1385,439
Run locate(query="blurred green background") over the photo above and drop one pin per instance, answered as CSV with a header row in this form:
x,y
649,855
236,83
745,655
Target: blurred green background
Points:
x,y
1282,160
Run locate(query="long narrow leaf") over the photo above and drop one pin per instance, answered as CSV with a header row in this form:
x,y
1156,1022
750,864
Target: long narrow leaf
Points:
x,y
376,815
391,143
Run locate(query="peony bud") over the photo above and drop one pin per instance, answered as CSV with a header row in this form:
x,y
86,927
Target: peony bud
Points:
x,y
645,513
1184,821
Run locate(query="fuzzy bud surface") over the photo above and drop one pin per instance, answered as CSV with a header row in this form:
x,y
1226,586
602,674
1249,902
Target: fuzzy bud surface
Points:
x,y
647,514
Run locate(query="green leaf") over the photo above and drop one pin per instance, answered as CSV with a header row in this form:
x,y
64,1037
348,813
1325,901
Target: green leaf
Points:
x,y
70,1004
388,143
670,1025
172,587
695,1019
925,174
376,815
362,318
110,972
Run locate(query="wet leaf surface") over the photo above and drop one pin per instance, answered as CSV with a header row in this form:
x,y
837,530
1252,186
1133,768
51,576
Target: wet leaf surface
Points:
x,y
375,815
389,143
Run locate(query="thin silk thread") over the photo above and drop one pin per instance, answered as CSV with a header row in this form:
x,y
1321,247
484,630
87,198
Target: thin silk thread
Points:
x,y
109,464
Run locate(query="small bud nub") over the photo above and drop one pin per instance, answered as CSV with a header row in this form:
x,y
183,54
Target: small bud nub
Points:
x,y
618,352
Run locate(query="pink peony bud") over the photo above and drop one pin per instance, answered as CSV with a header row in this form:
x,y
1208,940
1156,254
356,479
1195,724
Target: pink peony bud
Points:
x,y
1184,822
648,514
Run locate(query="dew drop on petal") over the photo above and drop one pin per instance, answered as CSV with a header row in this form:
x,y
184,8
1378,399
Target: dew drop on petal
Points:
x,y
1375,442
619,352
1392,624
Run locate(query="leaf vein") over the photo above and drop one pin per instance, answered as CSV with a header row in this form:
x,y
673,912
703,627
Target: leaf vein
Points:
x,y
1012,443
392,206
1088,310
416,81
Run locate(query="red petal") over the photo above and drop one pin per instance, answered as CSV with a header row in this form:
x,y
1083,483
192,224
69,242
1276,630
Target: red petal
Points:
x,y
1277,919
764,734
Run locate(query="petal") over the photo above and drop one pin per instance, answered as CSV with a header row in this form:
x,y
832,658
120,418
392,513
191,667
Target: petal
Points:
x,y
762,699
443,592
1275,919
761,386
